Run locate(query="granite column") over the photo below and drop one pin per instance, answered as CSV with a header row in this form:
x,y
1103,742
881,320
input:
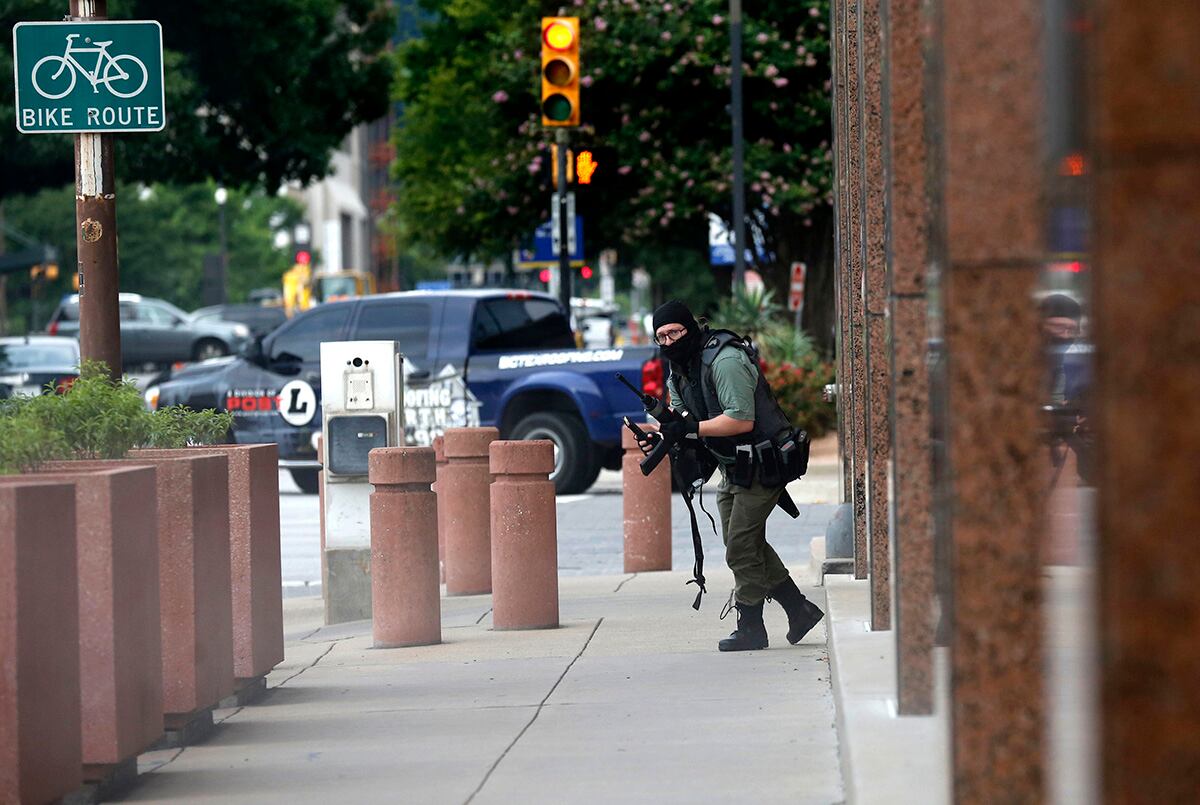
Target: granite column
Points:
x,y
908,224
993,217
837,60
877,382
1145,128
855,401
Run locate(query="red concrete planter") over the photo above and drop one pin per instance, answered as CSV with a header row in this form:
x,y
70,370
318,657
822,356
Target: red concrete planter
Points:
x,y
120,649
195,598
255,572
39,643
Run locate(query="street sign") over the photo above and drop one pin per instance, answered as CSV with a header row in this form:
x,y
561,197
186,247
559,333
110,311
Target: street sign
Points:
x,y
540,254
572,236
87,77
796,294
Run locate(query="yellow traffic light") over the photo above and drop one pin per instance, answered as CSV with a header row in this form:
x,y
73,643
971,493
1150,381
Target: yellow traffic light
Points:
x,y
44,271
560,71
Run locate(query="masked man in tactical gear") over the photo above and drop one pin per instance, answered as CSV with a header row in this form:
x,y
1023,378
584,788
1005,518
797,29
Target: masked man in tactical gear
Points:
x,y
726,403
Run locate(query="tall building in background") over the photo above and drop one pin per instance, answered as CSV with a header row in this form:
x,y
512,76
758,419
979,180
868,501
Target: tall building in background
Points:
x,y
347,210
336,209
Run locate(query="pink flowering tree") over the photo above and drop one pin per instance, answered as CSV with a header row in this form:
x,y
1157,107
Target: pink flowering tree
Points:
x,y
472,156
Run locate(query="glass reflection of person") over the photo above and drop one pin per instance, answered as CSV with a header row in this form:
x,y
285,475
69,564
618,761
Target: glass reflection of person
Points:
x,y
1068,375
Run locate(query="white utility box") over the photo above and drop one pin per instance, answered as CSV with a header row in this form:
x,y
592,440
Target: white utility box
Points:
x,y
362,405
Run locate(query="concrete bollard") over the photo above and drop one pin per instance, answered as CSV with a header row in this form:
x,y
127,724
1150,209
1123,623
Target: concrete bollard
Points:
x,y
39,643
439,453
463,495
405,595
647,505
524,536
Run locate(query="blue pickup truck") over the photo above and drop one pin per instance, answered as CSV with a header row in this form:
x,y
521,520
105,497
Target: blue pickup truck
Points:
x,y
501,358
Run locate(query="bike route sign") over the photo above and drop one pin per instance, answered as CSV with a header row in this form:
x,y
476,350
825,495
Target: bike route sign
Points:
x,y
87,77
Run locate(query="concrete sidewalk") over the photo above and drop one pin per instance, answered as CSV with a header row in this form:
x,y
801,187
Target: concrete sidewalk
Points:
x,y
628,702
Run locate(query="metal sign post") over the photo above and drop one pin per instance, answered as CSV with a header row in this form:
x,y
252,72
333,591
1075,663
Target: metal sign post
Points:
x,y
796,292
565,224
739,180
91,77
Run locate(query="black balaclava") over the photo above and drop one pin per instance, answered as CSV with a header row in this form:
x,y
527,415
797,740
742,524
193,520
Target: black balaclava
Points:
x,y
676,312
1060,306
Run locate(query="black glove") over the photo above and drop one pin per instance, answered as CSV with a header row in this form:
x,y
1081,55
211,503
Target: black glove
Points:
x,y
677,430
648,441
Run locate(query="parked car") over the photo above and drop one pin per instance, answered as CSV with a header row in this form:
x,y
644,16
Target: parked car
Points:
x,y
261,320
37,364
154,331
500,358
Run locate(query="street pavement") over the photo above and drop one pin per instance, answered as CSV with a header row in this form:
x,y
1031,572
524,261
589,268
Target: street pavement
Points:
x,y
628,701
590,527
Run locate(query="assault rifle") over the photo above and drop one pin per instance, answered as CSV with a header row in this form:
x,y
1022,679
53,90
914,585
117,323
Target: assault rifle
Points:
x,y
654,456
659,410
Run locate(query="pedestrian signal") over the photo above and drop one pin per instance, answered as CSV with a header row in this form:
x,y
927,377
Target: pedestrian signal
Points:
x,y
560,71
585,166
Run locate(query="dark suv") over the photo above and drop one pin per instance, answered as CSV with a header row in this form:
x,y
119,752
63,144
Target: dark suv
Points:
x,y
156,332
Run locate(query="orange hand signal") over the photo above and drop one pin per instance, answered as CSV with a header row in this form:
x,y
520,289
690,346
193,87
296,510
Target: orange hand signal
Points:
x,y
585,166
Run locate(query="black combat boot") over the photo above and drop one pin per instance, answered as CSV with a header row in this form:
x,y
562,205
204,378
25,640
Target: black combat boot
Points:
x,y
802,614
750,634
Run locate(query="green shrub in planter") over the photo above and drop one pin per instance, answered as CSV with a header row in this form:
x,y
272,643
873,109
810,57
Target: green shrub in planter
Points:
x,y
25,440
99,418
179,426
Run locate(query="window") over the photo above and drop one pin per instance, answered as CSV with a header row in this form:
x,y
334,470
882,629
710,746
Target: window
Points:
x,y
69,311
502,324
349,258
302,341
128,311
37,356
405,322
153,314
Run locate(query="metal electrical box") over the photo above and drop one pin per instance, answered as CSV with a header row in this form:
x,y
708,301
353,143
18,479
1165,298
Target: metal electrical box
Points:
x,y
362,401
362,390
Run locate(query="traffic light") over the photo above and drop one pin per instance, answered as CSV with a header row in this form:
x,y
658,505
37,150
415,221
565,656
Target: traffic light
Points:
x,y
560,71
44,271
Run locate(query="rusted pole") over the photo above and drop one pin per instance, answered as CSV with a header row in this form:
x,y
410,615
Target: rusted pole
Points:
x,y
96,232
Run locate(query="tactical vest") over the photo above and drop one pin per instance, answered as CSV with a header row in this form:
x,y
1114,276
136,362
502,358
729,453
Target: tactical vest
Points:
x,y
700,397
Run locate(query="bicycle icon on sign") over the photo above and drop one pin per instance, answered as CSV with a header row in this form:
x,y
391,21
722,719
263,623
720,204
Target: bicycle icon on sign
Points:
x,y
124,76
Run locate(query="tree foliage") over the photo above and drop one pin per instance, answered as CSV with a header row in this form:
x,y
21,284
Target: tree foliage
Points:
x,y
257,92
472,155
166,231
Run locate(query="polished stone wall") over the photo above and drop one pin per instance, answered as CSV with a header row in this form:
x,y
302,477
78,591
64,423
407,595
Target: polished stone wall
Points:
x,y
1145,102
856,401
907,250
877,383
991,88
841,285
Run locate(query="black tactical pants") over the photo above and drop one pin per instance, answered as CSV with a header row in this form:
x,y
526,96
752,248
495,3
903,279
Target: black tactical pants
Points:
x,y
757,569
